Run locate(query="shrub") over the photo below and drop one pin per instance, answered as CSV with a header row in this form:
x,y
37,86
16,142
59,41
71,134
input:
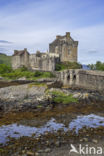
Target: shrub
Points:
x,y
67,65
98,66
37,74
23,69
60,97
5,69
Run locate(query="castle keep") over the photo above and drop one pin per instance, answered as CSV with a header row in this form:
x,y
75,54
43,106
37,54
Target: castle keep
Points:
x,y
62,49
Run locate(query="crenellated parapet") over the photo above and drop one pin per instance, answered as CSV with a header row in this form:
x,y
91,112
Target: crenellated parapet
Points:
x,y
62,49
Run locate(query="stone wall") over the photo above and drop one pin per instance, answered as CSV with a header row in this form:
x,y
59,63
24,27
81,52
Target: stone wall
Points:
x,y
45,63
66,47
42,61
62,49
20,59
93,80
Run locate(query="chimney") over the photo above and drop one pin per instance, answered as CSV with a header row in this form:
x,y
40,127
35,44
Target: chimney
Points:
x,y
67,34
25,49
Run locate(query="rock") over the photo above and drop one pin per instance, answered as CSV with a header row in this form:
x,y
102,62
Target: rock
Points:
x,y
29,153
47,150
36,154
48,80
22,78
21,97
40,151
23,151
57,143
95,141
76,95
1,78
47,142
85,96
85,139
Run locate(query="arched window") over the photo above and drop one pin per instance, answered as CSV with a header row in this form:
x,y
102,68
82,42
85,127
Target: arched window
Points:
x,y
74,77
68,77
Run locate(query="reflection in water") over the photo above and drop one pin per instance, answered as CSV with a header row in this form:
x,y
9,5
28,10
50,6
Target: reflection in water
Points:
x,y
91,120
16,131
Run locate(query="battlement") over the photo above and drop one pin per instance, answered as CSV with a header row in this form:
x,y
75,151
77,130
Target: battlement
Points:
x,y
62,49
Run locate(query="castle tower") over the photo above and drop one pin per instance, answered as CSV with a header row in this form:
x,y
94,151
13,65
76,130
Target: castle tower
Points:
x,y
66,47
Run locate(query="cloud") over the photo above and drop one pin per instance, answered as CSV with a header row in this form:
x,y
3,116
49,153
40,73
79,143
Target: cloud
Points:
x,y
35,23
93,52
91,47
5,42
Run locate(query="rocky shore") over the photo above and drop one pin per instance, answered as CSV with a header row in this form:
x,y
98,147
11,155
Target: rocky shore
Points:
x,y
35,96
30,109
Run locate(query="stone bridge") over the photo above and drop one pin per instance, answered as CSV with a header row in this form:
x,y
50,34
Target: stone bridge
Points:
x,y
87,79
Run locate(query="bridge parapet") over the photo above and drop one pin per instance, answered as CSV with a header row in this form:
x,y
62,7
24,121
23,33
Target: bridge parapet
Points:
x,y
93,80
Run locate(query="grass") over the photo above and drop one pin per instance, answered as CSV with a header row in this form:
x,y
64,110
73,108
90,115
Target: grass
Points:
x,y
68,65
60,97
8,73
4,59
39,84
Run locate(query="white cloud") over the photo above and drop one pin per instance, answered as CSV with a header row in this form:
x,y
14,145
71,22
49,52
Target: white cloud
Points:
x,y
90,39
36,23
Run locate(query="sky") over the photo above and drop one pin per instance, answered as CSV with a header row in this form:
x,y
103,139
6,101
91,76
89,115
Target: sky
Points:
x,y
33,24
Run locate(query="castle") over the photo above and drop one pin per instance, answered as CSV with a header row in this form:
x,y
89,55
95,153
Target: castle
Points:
x,y
62,49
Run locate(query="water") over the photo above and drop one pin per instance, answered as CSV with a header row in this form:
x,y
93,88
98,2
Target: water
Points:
x,y
88,121
85,67
16,131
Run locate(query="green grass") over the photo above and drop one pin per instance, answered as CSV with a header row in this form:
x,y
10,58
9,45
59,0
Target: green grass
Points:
x,y
39,84
60,97
4,59
67,65
8,73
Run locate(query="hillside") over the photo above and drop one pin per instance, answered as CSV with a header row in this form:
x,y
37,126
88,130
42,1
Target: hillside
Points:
x,y
4,59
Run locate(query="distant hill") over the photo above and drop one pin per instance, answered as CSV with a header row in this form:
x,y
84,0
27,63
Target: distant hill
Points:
x,y
3,41
4,59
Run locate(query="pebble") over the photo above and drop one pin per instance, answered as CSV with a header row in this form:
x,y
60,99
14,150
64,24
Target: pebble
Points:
x,y
85,139
57,143
95,141
40,151
23,151
36,154
29,153
47,150
47,142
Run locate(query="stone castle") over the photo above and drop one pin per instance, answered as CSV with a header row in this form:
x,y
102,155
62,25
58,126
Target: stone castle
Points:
x,y
62,49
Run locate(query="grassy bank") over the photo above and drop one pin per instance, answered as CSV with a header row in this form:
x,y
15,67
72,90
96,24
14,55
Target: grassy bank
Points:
x,y
60,97
8,73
